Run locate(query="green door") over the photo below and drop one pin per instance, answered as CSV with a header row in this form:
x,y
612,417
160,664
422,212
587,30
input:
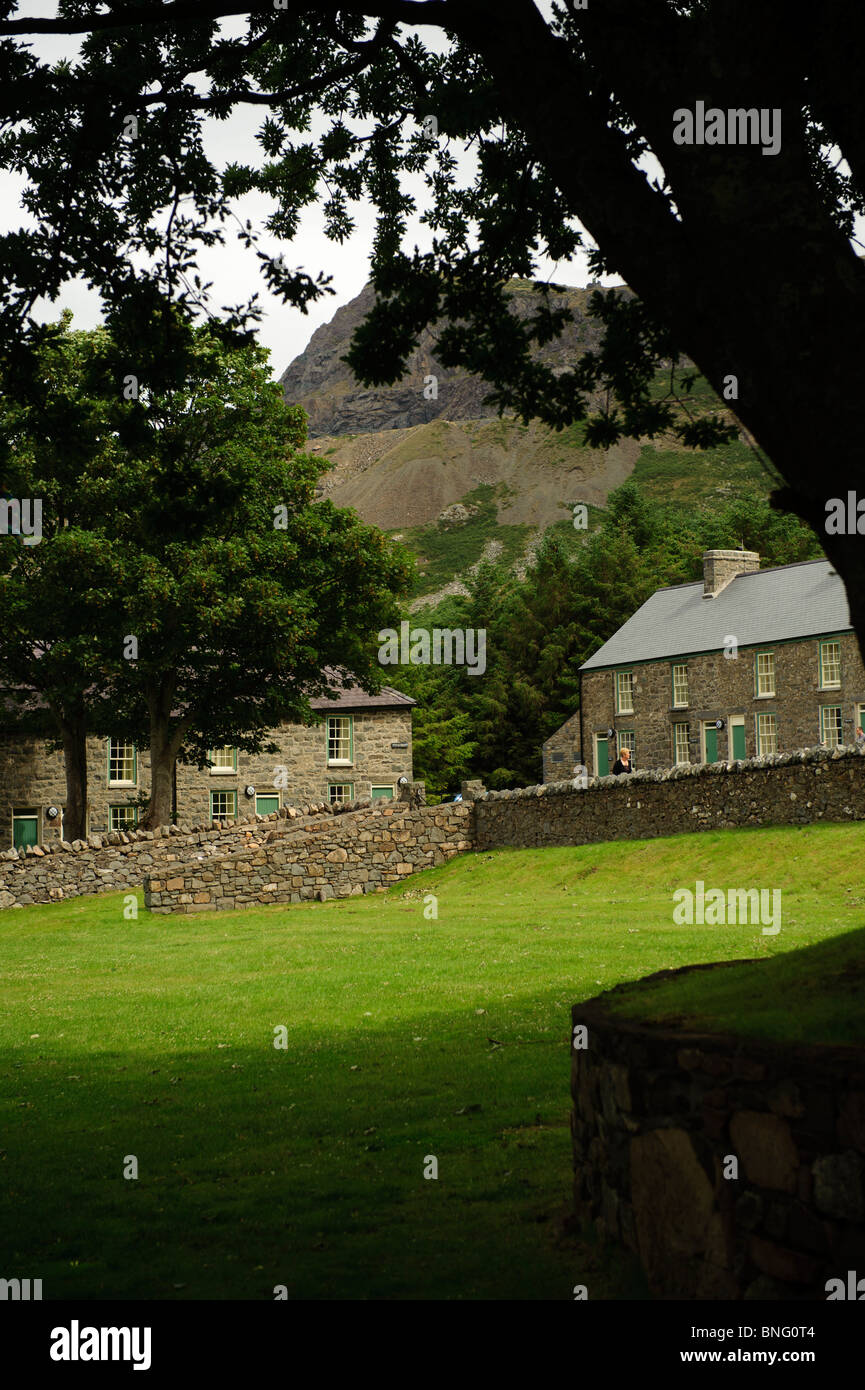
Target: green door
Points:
x,y
603,757
711,737
381,793
738,741
25,830
266,805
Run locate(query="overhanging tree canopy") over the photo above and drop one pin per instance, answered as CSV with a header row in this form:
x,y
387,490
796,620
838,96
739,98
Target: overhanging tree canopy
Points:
x,y
741,260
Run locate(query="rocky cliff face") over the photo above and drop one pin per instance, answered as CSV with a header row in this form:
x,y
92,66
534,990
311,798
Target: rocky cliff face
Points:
x,y
337,405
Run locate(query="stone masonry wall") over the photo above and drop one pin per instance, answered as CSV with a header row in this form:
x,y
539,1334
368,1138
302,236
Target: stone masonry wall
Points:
x,y
354,854
657,1116
32,779
561,753
122,859
782,789
718,689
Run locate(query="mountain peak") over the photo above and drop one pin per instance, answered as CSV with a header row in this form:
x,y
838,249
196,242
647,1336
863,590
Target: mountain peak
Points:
x,y
337,404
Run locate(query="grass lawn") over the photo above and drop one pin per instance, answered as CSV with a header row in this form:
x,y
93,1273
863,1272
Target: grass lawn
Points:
x,y
407,1037
816,995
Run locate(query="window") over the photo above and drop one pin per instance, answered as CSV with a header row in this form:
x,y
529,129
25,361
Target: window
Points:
x,y
680,686
624,692
122,770
223,805
223,759
830,724
340,792
681,751
765,673
339,738
626,740
557,757
830,665
122,817
767,734
381,793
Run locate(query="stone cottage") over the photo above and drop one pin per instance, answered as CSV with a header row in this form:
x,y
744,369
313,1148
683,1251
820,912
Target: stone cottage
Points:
x,y
743,663
360,747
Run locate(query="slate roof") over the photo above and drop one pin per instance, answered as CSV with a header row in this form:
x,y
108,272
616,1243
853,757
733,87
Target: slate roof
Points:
x,y
353,697
774,605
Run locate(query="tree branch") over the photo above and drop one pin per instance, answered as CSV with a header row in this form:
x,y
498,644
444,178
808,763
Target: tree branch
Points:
x,y
392,11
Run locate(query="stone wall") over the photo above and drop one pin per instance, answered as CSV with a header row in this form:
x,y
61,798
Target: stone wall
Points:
x,y
122,859
32,779
783,789
720,689
658,1115
357,853
561,753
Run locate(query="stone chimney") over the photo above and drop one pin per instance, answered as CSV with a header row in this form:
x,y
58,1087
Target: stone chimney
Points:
x,y
720,566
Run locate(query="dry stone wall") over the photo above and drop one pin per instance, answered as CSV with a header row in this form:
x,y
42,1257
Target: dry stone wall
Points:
x,y
356,853
657,1116
784,789
781,789
122,859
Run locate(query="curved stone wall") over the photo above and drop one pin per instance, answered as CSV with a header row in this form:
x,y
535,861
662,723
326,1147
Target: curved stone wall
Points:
x,y
657,1117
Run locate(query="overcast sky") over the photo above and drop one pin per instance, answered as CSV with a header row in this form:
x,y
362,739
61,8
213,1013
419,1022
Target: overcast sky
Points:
x,y
235,271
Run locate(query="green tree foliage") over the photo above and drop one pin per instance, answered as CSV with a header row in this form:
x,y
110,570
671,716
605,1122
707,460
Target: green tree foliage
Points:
x,y
215,590
540,629
741,261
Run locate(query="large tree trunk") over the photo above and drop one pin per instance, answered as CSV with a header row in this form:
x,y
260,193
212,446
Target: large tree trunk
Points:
x,y
74,734
166,738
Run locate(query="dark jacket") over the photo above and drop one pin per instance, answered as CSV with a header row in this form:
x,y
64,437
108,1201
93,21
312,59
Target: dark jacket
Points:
x,y
619,766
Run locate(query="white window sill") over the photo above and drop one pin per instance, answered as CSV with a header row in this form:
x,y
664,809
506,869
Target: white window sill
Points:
x,y
223,772
340,762
769,696
123,784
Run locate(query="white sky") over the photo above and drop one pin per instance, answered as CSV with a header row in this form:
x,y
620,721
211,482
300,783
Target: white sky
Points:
x,y
235,271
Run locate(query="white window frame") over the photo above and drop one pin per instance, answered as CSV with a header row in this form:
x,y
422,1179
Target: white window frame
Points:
x,y
342,739
628,677
840,739
824,683
126,824
763,734
678,703
222,769
677,761
122,781
219,815
626,738
344,790
761,677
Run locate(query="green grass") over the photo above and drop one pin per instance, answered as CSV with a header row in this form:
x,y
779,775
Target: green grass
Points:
x,y
406,1037
809,996
698,477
